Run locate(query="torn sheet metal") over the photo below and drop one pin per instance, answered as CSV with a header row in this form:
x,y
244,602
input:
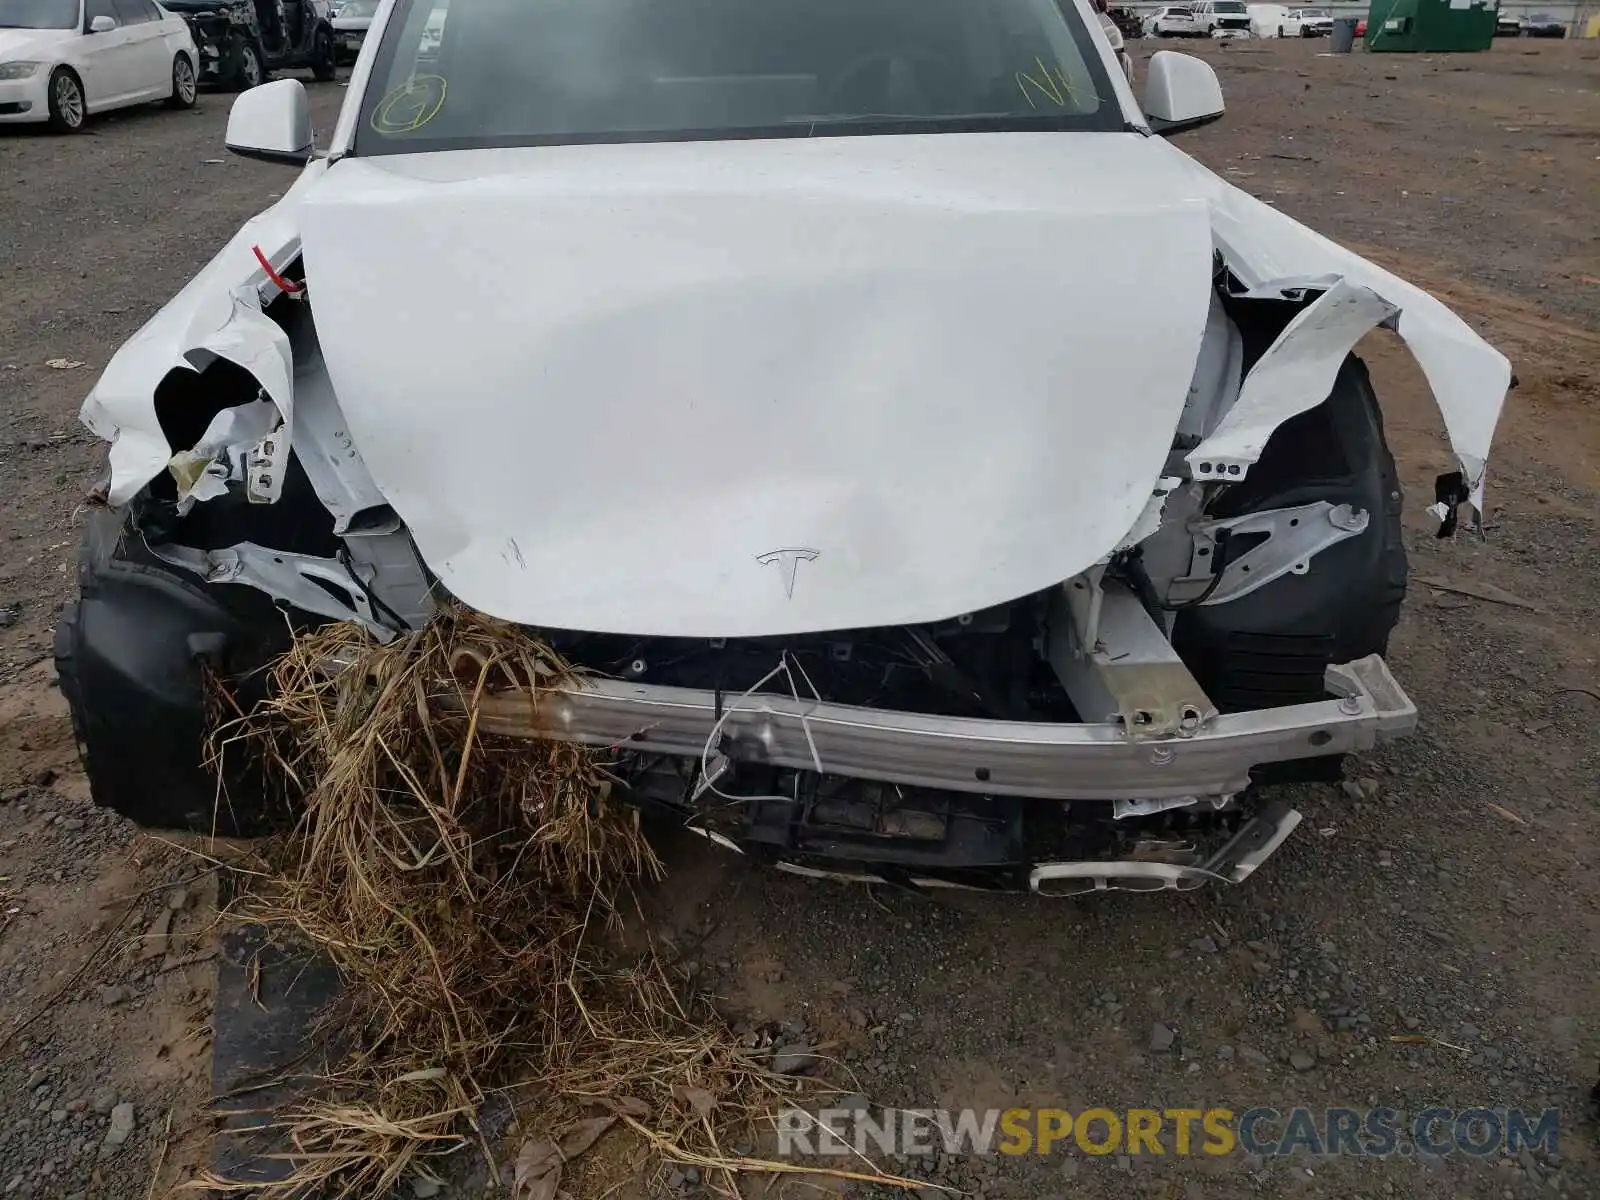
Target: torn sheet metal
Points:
x,y
1150,519
217,315
1469,378
220,456
1295,374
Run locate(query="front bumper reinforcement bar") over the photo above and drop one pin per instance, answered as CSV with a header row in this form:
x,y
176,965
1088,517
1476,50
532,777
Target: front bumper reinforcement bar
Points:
x,y
1011,758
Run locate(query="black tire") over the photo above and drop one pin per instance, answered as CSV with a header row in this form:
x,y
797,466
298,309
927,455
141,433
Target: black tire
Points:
x,y
132,657
69,109
185,83
1271,647
325,58
250,66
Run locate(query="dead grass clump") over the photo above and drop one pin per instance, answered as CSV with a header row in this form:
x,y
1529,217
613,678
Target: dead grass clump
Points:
x,y
463,883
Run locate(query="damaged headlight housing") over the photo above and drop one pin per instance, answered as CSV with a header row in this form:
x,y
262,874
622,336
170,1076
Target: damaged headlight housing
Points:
x,y
18,70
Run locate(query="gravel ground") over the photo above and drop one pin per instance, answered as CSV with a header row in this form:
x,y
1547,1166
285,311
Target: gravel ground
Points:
x,y
1447,891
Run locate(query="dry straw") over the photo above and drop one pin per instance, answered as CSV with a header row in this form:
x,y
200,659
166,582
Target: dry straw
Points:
x,y
470,889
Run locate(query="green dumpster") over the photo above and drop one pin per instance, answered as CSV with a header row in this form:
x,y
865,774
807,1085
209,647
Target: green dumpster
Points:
x,y
1430,26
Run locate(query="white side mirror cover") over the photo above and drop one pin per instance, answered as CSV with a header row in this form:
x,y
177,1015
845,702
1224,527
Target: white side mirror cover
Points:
x,y
272,122
1180,92
102,24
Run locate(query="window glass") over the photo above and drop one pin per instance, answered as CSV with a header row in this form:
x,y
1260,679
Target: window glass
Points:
x,y
529,72
99,8
130,12
38,14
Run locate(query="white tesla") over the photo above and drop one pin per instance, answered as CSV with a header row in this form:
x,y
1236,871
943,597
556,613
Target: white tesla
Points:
x,y
61,60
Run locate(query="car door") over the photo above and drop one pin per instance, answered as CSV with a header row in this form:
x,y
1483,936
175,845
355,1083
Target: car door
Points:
x,y
107,74
149,69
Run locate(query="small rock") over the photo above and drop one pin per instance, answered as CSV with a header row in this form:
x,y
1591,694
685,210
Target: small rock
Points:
x,y
37,1078
122,1123
1069,1167
1205,945
104,1103
794,1060
855,1102
157,937
71,824
1252,1056
1301,1061
422,1187
1225,1052
177,899
57,1116
1412,1023
1385,858
1161,1038
1124,1163
115,994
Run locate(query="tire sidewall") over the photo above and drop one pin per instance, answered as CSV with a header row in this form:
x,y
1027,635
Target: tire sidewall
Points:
x,y
250,52
57,121
178,100
325,57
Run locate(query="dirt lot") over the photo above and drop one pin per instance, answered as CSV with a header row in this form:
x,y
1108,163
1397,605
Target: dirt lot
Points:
x,y
1450,890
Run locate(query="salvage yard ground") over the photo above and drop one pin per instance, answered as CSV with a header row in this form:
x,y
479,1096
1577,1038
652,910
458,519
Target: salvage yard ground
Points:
x,y
1448,895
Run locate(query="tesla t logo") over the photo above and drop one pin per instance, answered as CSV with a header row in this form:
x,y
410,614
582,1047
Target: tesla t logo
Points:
x,y
788,563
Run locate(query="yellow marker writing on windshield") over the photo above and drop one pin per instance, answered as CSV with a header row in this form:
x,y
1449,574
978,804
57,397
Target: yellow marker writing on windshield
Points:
x,y
411,105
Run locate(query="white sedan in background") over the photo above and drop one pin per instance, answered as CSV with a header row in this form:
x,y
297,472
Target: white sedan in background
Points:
x,y
61,60
1172,20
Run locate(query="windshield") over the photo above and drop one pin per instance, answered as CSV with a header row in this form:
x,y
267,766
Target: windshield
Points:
x,y
480,73
1228,6
356,8
38,14
1315,12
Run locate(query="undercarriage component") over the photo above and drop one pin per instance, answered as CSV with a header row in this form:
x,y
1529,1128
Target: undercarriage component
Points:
x,y
314,585
1234,863
1088,761
1285,540
1117,664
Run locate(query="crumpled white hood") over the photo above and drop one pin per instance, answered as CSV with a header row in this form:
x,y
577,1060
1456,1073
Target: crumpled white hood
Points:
x,y
741,388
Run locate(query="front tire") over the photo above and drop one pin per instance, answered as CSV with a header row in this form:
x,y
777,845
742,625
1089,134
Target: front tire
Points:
x,y
250,67
1270,648
325,63
68,109
185,88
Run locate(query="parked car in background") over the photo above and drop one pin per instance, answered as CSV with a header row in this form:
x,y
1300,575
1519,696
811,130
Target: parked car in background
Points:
x,y
1172,20
1221,18
1127,21
1265,19
351,20
1543,25
1506,24
63,60
242,42
1306,22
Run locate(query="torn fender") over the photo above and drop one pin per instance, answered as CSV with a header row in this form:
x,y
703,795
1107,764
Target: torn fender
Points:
x,y
1469,378
217,315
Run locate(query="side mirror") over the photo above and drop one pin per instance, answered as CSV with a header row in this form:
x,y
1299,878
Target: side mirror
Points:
x,y
1180,92
272,122
102,24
